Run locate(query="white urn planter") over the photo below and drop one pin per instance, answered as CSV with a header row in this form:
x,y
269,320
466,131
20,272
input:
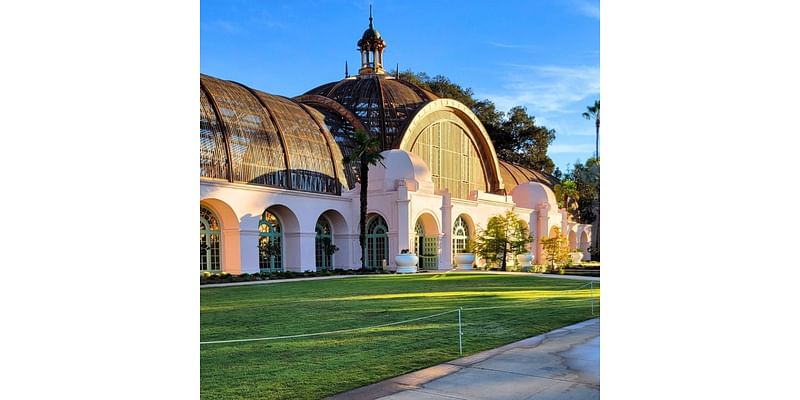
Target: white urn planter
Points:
x,y
464,261
525,260
576,257
406,263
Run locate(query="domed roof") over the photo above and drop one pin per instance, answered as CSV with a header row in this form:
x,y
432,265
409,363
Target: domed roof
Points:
x,y
250,136
382,103
399,165
534,194
514,175
369,35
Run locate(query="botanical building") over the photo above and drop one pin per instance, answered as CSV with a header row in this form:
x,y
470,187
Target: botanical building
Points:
x,y
275,195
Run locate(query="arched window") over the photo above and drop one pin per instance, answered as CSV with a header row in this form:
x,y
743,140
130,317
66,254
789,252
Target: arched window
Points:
x,y
270,248
323,244
460,235
377,242
209,241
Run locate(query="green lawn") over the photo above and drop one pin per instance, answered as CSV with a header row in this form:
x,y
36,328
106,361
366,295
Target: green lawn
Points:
x,y
315,367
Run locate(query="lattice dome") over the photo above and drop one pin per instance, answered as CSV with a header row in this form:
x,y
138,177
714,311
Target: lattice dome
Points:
x,y
254,137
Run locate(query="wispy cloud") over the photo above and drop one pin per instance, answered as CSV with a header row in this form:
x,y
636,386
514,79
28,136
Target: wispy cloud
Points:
x,y
570,148
267,20
510,46
226,26
547,88
587,8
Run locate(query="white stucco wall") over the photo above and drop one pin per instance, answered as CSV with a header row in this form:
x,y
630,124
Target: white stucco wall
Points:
x,y
400,191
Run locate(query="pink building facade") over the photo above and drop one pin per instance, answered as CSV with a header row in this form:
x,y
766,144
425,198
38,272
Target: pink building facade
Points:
x,y
275,194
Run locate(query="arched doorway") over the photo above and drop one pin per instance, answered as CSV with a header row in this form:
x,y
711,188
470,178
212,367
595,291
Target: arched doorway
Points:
x,y
426,242
461,235
377,242
323,244
209,241
270,246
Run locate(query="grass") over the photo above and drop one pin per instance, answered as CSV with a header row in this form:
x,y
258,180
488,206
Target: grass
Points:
x,y
320,366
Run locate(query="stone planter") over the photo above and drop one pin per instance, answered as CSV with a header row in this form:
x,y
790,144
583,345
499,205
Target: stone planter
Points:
x,y
576,257
525,260
464,261
406,263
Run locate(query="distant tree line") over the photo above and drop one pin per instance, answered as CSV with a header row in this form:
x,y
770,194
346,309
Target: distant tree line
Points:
x,y
516,136
579,190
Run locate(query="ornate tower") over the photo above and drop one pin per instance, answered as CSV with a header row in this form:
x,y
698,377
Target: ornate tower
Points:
x,y
371,46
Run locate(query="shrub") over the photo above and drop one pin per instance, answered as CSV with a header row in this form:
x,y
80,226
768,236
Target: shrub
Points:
x,y
556,249
505,235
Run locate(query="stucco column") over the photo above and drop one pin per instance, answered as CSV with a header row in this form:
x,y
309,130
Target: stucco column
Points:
x,y
249,245
298,251
403,223
308,247
541,231
446,242
343,258
231,261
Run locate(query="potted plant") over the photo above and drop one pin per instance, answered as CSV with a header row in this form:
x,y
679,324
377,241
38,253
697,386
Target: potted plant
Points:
x,y
465,258
406,262
524,257
525,260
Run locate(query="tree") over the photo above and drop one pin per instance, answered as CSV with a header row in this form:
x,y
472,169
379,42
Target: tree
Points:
x,y
587,181
366,150
567,195
593,112
505,235
556,249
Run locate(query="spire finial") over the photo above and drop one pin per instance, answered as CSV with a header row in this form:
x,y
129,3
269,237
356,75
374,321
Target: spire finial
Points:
x,y
346,74
370,16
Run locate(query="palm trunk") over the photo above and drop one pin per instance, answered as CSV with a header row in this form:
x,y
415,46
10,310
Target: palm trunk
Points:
x,y
597,139
362,222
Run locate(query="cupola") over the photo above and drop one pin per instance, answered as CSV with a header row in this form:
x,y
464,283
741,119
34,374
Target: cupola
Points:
x,y
371,46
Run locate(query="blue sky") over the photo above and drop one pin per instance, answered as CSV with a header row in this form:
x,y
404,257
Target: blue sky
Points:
x,y
541,54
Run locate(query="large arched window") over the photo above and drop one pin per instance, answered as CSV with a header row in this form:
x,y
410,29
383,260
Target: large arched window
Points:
x,y
377,242
270,247
209,241
460,235
324,244
452,157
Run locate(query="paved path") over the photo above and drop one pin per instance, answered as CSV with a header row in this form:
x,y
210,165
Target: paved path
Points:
x,y
562,364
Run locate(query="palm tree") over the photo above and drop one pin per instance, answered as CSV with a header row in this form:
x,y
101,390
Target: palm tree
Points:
x,y
593,112
366,150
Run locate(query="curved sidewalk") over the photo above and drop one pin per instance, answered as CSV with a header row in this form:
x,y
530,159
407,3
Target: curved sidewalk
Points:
x,y
561,364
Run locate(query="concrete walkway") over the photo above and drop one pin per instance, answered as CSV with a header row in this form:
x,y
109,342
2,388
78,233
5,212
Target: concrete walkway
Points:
x,y
562,364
